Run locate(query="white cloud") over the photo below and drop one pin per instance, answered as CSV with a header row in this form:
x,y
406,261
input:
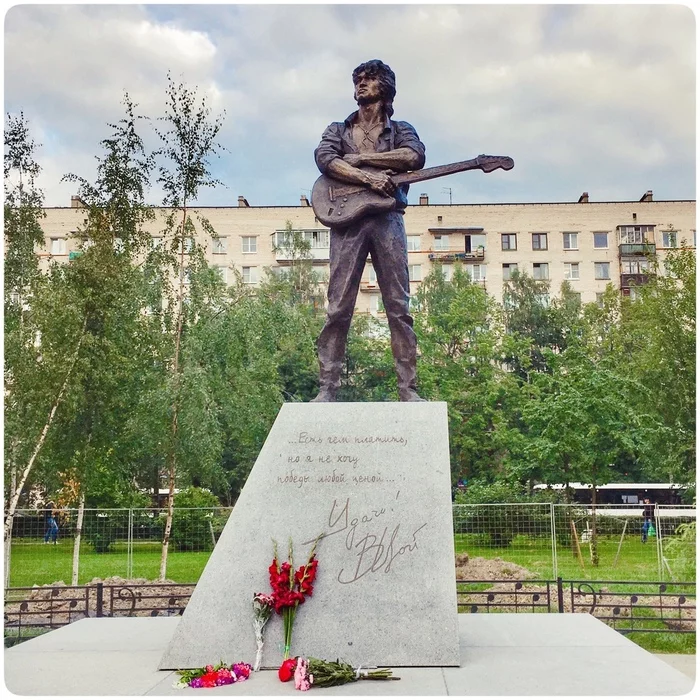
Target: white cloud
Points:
x,y
563,89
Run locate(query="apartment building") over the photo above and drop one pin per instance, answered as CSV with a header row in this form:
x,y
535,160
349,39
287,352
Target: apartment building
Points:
x,y
590,244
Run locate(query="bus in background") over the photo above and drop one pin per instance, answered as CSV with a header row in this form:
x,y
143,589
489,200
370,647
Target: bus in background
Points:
x,y
622,493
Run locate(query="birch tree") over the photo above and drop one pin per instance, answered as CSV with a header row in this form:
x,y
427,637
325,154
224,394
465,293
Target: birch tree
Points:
x,y
188,133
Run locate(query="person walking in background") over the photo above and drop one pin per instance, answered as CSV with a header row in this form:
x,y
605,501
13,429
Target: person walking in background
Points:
x,y
648,515
51,524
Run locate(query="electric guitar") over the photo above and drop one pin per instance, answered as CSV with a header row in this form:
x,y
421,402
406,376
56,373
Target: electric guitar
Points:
x,y
339,204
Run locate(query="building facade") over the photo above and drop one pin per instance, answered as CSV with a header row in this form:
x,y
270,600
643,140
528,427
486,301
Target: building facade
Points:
x,y
589,244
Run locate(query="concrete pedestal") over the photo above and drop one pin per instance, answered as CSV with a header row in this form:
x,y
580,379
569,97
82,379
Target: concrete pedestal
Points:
x,y
500,655
374,480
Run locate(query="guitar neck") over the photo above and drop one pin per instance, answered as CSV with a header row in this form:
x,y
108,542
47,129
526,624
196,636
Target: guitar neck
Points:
x,y
437,171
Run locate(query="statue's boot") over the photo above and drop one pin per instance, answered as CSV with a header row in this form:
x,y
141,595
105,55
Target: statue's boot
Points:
x,y
406,375
329,379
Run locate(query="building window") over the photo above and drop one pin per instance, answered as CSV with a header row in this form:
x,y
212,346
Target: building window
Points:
x,y
576,296
600,239
412,244
540,271
376,306
414,273
249,244
599,296
669,239
156,243
316,238
602,270
570,241
634,267
474,241
539,241
542,299
321,272
219,245
477,273
509,269
447,272
693,238
223,273
250,275
571,271
441,243
58,246
372,274
634,234
509,241
118,245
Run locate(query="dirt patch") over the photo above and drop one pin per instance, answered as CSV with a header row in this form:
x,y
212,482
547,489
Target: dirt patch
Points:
x,y
56,604
515,593
479,569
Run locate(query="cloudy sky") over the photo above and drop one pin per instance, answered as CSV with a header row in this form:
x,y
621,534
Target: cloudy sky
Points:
x,y
597,98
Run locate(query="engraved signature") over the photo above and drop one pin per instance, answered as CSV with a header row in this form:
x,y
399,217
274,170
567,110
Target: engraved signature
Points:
x,y
374,552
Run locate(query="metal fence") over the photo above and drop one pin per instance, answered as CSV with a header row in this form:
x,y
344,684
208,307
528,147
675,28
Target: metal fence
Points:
x,y
548,540
626,606
492,541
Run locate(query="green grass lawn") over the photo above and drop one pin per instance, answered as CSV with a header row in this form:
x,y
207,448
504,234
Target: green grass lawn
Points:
x,y
35,563
637,561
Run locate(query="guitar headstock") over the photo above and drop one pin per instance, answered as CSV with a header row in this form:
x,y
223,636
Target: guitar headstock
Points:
x,y
490,163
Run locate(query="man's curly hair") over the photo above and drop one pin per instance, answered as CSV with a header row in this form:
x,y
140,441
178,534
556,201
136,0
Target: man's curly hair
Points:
x,y
386,77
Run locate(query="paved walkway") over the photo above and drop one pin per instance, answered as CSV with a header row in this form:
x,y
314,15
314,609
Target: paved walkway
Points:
x,y
685,663
500,655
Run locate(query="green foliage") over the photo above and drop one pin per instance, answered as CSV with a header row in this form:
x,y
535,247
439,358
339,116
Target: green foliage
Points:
x,y
681,552
193,528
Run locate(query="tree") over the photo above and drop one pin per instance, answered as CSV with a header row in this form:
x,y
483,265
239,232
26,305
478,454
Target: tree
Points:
x,y
36,375
188,141
529,313
657,348
105,286
582,424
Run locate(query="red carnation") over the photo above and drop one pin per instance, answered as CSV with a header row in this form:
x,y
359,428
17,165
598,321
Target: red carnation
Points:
x,y
286,670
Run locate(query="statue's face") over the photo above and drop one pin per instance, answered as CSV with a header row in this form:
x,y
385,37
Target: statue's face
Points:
x,y
367,89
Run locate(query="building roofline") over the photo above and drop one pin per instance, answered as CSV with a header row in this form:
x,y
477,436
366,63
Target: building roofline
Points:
x,y
426,206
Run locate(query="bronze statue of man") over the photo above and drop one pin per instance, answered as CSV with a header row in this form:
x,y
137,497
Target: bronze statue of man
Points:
x,y
370,137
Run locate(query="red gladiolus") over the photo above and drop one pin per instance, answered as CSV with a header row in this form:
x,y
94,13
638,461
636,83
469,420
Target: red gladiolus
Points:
x,y
290,588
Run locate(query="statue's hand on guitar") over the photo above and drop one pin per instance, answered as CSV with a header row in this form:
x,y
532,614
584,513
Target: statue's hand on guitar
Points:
x,y
377,180
381,182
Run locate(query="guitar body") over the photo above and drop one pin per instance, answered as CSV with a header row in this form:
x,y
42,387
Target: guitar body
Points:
x,y
338,204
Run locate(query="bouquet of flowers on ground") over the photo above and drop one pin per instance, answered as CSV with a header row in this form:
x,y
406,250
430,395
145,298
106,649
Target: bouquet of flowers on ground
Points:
x,y
317,673
262,611
211,676
290,588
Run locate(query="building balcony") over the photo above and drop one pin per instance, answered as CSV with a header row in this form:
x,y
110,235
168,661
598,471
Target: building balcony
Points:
x,y
366,286
634,279
286,255
626,249
448,256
